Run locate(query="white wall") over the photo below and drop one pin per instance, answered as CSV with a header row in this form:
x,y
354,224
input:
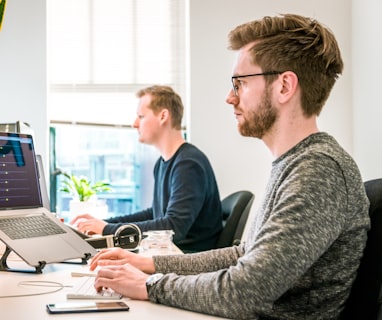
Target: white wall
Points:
x,y
367,75
23,68
240,163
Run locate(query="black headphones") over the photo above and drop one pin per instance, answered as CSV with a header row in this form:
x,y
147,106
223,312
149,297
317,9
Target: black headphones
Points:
x,y
127,236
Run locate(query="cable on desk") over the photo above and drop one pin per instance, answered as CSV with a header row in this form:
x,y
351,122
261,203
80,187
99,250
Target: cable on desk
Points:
x,y
46,284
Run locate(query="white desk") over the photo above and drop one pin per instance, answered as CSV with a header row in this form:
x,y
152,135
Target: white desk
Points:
x,y
33,307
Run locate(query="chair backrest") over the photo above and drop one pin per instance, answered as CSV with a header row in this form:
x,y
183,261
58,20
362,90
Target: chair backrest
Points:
x,y
363,300
236,208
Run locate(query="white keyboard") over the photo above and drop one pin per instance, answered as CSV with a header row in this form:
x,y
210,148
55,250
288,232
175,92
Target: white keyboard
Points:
x,y
84,289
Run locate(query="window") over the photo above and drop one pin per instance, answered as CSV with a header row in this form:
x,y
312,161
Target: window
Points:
x,y
99,54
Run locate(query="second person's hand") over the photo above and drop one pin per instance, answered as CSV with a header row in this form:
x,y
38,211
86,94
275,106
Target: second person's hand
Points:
x,y
87,224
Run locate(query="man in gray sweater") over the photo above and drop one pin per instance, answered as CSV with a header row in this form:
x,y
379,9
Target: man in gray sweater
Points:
x,y
304,245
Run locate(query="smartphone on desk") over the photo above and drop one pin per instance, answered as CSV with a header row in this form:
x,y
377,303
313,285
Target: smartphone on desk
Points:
x,y
88,306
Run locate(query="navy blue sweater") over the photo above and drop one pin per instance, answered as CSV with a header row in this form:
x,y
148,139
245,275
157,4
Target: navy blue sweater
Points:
x,y
186,200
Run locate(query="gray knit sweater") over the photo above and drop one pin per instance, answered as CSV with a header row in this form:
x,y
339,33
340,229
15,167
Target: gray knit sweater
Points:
x,y
301,252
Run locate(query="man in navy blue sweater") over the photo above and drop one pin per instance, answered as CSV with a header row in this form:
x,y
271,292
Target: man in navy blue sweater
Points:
x,y
186,197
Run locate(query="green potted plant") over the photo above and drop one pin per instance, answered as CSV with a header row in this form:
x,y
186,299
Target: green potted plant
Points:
x,y
84,194
2,9
81,188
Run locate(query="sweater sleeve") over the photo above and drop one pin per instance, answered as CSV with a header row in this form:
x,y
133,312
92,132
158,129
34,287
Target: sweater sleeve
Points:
x,y
206,261
115,222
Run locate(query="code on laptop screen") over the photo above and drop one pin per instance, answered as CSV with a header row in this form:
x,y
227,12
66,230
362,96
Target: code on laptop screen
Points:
x,y
19,184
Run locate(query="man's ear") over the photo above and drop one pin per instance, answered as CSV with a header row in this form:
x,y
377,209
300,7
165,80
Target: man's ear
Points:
x,y
288,84
164,115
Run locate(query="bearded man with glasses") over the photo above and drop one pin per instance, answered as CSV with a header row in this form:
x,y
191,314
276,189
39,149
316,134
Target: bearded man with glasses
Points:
x,y
304,245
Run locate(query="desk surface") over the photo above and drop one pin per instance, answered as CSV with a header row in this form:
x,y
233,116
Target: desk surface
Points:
x,y
33,306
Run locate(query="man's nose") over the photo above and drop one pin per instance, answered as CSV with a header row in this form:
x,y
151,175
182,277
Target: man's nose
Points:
x,y
232,98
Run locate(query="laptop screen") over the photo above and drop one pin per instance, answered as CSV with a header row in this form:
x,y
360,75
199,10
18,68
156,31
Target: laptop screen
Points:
x,y
19,185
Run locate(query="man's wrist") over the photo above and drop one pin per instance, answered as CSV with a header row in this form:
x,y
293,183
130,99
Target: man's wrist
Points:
x,y
146,264
152,280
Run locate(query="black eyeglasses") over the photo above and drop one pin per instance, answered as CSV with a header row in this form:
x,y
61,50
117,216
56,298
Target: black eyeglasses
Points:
x,y
236,84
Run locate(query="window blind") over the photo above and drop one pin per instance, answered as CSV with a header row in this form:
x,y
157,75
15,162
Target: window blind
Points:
x,y
101,52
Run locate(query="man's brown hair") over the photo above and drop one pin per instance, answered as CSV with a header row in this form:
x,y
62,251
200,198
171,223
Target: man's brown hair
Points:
x,y
164,97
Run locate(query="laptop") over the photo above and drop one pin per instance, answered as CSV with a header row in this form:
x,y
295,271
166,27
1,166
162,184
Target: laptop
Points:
x,y
22,211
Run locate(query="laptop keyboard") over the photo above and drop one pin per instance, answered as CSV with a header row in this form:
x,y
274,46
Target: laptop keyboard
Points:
x,y
85,290
30,226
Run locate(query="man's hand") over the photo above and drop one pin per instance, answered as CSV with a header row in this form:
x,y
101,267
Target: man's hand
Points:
x,y
87,224
124,279
119,256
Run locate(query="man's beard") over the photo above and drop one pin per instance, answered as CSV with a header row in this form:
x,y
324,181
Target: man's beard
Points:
x,y
260,121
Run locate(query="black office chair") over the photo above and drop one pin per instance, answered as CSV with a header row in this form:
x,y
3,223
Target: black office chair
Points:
x,y
236,208
364,300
